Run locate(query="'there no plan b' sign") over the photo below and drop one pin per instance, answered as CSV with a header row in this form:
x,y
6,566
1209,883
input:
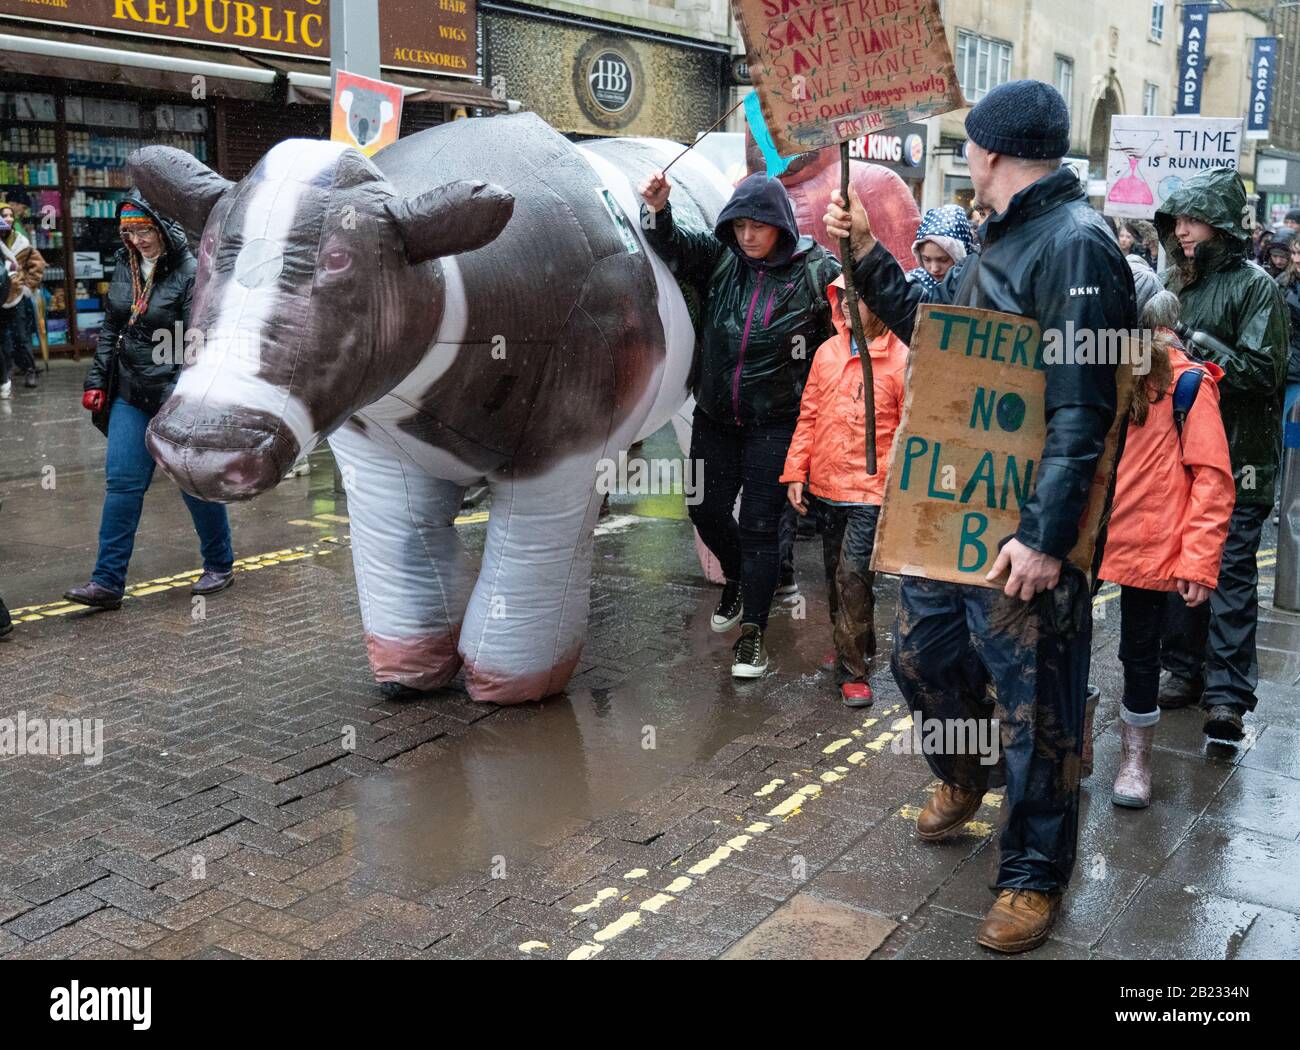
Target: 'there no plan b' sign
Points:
x,y
966,455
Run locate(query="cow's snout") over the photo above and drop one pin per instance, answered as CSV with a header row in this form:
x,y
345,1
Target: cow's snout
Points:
x,y
235,457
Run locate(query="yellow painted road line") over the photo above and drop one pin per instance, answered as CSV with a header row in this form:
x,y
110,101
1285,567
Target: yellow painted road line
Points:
x,y
786,810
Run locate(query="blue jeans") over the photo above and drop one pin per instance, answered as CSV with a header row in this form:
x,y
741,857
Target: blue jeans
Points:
x,y
129,469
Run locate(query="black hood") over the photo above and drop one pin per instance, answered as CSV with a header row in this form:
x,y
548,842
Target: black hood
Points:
x,y
762,199
175,246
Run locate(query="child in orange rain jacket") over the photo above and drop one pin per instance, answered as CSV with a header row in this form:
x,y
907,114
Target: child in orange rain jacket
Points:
x,y
828,453
1173,496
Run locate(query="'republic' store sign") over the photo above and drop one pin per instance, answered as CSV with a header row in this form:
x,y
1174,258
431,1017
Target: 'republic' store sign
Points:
x,y
424,35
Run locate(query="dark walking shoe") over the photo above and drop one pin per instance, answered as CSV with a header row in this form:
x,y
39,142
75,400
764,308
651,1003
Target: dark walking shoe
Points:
x,y
1019,920
730,607
29,380
856,694
6,629
95,596
1224,723
1177,691
786,586
947,811
400,694
751,656
212,583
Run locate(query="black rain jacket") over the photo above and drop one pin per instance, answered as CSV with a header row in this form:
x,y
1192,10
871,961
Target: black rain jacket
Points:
x,y
143,381
762,321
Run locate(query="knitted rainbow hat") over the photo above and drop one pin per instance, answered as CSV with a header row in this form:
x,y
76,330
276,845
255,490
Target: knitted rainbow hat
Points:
x,y
133,215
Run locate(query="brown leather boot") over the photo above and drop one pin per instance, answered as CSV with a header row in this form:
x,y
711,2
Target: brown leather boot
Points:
x,y
1019,920
948,809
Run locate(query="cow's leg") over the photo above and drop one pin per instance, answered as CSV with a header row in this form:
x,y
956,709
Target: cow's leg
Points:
x,y
527,618
682,427
413,574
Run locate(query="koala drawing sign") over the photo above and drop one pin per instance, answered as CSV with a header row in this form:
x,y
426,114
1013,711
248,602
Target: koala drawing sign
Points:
x,y
367,112
477,301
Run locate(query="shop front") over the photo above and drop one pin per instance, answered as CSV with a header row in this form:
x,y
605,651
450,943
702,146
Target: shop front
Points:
x,y
1277,179
588,78
85,83
903,150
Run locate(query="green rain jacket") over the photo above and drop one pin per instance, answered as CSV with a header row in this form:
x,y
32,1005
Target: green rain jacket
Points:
x,y
1236,302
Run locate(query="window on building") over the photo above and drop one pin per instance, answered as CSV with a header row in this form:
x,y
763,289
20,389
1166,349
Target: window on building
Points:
x,y
1150,100
1065,82
982,64
1157,19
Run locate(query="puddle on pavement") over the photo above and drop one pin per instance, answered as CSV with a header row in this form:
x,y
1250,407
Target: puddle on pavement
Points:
x,y
524,775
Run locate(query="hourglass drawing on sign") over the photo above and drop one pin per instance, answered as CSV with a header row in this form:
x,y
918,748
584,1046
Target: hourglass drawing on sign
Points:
x,y
1135,144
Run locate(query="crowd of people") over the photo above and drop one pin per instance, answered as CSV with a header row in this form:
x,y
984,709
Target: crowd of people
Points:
x,y
1196,477
783,432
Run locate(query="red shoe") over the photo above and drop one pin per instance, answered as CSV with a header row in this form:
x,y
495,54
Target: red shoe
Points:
x,y
856,694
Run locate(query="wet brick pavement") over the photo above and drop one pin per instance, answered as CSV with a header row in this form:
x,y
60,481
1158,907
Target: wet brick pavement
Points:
x,y
256,799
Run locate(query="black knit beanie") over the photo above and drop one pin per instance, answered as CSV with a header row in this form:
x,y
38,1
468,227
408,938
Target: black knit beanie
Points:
x,y
1024,118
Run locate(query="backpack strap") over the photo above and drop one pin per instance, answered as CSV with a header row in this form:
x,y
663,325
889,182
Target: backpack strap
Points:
x,y
1185,391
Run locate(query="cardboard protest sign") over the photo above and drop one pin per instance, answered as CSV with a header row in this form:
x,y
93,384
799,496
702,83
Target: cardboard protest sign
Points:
x,y
1150,157
830,71
366,113
966,454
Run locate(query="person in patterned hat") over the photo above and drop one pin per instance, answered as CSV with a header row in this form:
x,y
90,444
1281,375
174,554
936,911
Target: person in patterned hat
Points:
x,y
944,239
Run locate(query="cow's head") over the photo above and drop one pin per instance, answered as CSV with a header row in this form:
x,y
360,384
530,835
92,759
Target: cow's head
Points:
x,y
316,293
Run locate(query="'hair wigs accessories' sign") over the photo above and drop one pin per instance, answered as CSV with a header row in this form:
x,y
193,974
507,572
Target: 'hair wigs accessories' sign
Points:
x,y
833,70
967,451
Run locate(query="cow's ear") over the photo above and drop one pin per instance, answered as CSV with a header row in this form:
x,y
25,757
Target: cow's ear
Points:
x,y
177,185
456,217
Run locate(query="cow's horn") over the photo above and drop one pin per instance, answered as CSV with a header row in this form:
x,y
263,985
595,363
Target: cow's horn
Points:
x,y
457,217
177,185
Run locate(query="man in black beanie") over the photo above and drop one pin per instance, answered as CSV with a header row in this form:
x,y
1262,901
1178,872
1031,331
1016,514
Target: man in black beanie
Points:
x,y
1049,256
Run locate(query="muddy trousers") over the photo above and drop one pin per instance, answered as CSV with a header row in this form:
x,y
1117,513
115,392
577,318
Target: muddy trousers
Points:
x,y
848,534
1215,642
952,642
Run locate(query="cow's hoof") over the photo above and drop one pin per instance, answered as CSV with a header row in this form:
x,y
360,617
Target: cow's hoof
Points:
x,y
491,686
423,664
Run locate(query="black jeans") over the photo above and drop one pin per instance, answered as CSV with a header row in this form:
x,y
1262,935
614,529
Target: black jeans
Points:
x,y
1142,617
745,460
1215,642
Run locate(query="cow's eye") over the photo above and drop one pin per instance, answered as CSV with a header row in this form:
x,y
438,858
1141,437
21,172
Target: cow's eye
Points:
x,y
337,260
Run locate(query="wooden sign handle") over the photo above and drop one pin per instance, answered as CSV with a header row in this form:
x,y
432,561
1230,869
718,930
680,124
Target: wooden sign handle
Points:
x,y
855,322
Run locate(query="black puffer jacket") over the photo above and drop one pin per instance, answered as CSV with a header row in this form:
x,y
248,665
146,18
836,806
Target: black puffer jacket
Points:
x,y
1050,257
761,321
143,381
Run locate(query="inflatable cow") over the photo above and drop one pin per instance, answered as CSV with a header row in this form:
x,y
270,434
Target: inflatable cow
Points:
x,y
474,301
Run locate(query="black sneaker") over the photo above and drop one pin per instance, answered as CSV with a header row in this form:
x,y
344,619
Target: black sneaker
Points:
x,y
786,585
1177,691
29,380
730,607
751,655
1224,723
